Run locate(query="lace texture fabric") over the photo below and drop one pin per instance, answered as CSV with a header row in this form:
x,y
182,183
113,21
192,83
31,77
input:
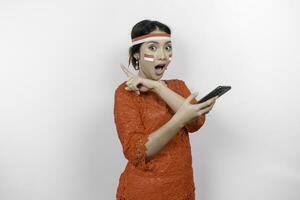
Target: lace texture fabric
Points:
x,y
169,174
194,126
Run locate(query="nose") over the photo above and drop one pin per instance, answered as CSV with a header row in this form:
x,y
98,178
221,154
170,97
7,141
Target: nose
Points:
x,y
163,55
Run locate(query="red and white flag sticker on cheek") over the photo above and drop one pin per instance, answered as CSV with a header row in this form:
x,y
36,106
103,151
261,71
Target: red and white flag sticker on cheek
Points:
x,y
149,57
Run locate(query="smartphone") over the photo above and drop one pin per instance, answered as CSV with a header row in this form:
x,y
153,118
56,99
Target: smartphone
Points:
x,y
219,91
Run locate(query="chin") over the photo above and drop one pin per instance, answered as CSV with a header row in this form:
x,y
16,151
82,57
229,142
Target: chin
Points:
x,y
155,77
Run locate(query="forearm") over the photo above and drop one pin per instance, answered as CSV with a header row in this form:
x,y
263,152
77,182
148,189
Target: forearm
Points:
x,y
173,99
159,138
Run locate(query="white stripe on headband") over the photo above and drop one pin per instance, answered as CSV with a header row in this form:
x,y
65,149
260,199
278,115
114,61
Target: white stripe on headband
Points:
x,y
151,37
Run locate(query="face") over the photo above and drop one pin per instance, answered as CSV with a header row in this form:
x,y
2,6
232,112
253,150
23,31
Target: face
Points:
x,y
154,57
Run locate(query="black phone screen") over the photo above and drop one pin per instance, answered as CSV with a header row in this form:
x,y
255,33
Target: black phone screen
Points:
x,y
219,91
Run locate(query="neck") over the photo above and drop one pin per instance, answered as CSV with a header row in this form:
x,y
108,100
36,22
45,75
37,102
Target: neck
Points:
x,y
141,74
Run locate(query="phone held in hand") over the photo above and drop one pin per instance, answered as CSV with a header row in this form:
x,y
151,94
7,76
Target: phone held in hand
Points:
x,y
219,91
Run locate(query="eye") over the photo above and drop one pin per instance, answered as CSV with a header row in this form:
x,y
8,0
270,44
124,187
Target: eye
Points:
x,y
169,47
152,48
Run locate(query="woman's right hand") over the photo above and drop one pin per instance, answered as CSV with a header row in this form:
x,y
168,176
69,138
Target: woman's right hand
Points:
x,y
139,84
188,112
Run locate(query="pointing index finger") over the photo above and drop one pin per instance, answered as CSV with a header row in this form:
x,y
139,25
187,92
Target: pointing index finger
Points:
x,y
126,71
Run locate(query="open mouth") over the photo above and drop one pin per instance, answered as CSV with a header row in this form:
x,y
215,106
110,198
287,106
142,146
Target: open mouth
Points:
x,y
159,69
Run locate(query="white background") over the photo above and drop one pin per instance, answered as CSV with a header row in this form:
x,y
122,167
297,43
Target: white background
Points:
x,y
59,67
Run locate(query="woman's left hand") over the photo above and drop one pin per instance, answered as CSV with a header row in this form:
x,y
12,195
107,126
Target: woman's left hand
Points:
x,y
137,83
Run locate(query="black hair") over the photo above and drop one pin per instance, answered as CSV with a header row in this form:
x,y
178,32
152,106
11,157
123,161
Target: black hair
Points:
x,y
141,28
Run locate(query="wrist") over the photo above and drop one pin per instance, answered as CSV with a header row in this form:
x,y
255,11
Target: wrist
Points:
x,y
194,120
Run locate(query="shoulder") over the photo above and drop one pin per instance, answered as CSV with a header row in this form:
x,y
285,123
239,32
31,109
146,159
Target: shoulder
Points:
x,y
120,87
120,90
121,93
175,81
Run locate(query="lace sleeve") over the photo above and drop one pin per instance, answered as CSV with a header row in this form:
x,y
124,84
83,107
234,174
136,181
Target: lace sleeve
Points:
x,y
130,129
197,124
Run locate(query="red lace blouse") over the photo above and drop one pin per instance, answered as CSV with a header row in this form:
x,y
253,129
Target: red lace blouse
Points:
x,y
169,174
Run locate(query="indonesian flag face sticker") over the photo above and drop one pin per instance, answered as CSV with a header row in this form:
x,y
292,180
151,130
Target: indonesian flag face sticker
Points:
x,y
149,57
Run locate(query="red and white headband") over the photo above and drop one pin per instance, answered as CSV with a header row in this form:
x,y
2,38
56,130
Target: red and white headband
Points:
x,y
151,37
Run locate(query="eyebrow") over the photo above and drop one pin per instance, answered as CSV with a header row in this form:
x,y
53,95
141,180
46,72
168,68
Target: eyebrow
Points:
x,y
158,43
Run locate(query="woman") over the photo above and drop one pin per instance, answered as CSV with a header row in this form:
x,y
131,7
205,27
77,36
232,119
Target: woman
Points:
x,y
153,120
